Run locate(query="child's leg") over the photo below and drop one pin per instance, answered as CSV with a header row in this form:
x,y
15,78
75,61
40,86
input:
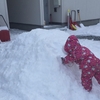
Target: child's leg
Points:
x,y
86,78
87,83
97,76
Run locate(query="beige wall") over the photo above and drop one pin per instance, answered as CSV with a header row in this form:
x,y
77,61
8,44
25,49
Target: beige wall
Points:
x,y
89,9
32,11
56,16
26,11
4,12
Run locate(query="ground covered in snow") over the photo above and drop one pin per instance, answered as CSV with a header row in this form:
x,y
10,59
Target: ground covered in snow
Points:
x,y
85,30
30,68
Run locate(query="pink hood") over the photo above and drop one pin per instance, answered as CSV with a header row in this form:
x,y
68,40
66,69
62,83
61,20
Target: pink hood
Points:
x,y
71,44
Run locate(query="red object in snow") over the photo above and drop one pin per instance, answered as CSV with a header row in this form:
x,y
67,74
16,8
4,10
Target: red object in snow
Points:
x,y
72,23
4,35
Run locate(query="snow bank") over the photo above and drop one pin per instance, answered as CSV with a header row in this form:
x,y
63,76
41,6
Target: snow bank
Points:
x,y
93,30
29,69
3,28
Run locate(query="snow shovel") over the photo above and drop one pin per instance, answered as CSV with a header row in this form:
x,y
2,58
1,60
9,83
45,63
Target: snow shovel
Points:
x,y
78,12
4,32
73,23
70,24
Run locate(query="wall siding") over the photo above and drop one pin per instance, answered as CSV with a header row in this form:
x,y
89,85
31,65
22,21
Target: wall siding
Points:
x,y
24,11
4,12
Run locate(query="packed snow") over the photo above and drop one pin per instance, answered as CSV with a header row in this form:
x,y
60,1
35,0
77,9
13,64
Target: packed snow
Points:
x,y
30,68
3,28
92,30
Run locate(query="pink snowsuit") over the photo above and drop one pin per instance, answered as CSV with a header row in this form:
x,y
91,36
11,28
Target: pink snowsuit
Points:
x,y
87,61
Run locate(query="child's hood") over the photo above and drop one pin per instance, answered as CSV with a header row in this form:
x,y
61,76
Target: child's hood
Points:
x,y
72,43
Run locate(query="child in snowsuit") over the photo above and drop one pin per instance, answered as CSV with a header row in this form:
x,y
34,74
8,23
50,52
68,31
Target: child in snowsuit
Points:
x,y
87,61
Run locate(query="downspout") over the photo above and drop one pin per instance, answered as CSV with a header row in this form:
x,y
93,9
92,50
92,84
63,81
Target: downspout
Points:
x,y
41,12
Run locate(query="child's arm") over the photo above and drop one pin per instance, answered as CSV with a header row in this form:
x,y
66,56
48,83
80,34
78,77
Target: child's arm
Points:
x,y
74,56
67,59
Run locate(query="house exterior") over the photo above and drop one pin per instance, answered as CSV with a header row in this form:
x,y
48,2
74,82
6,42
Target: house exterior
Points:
x,y
29,14
4,20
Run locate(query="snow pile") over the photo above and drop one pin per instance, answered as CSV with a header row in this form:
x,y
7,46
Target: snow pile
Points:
x,y
93,30
3,28
30,70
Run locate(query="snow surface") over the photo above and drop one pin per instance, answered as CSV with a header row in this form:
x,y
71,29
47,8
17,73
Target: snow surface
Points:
x,y
30,68
3,28
93,30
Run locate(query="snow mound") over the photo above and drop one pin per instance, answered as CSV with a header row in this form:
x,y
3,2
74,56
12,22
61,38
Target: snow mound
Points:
x,y
29,69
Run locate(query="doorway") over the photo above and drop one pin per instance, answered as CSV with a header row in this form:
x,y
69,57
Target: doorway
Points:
x,y
46,12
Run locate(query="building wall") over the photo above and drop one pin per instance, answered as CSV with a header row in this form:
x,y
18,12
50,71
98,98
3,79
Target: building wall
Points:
x,y
26,11
4,12
56,16
93,9
31,12
89,9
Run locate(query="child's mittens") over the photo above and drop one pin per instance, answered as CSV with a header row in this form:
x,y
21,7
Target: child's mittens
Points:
x,y
63,60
